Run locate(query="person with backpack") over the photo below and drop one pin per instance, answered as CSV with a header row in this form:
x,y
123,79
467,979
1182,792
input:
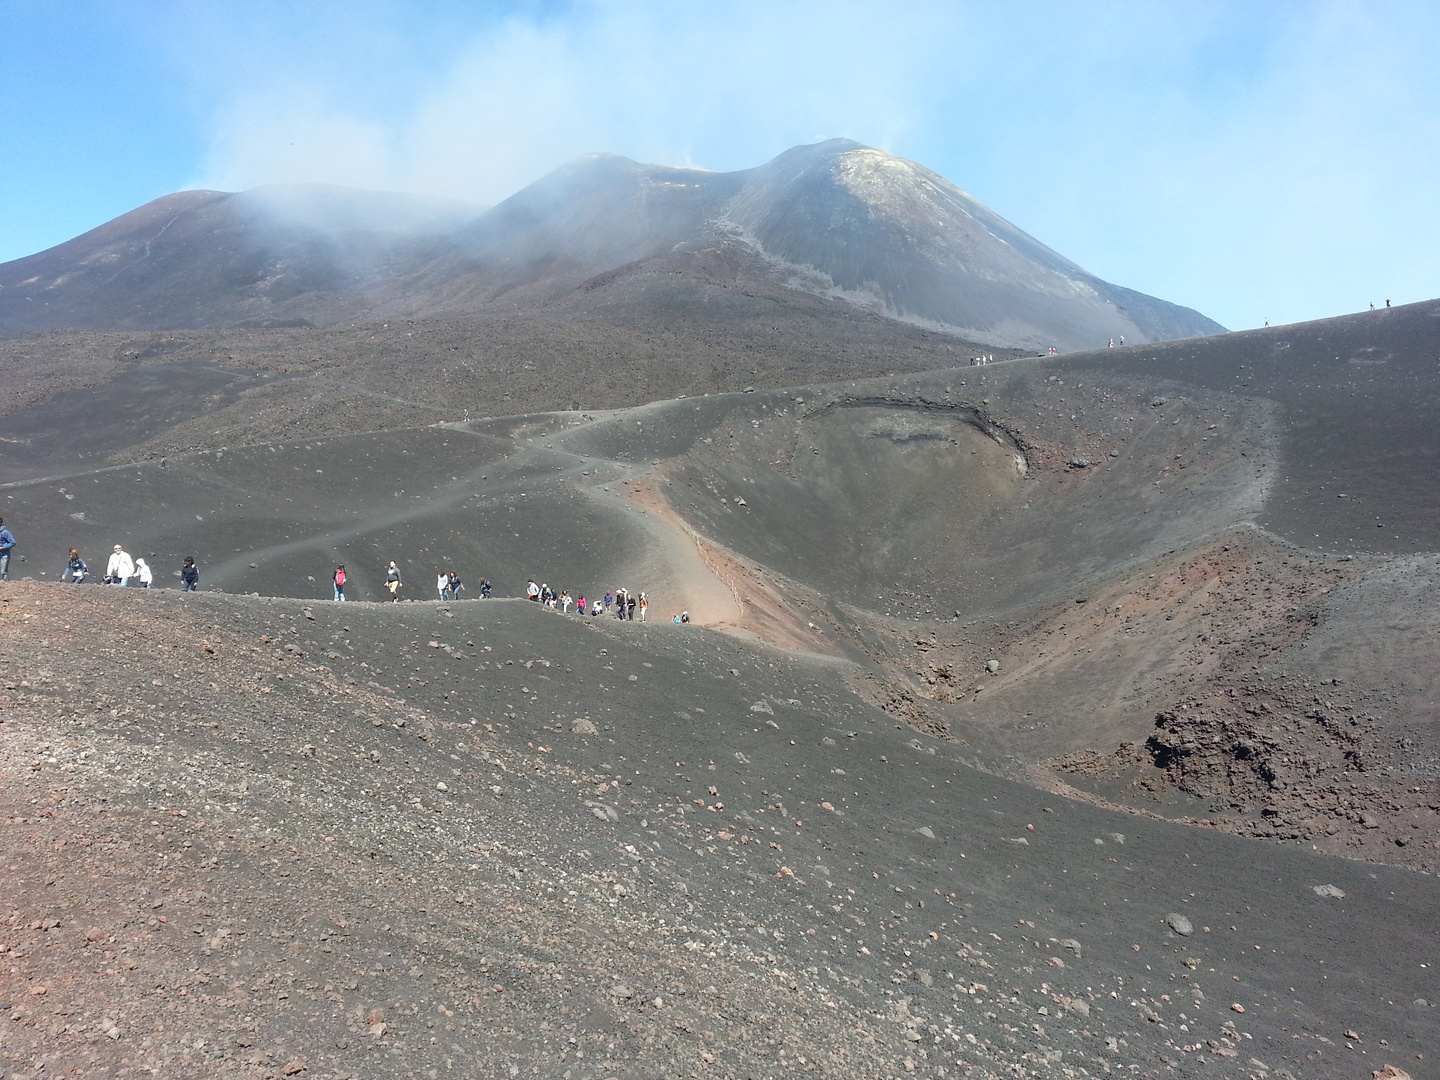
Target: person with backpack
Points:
x,y
120,569
75,569
339,579
189,575
7,545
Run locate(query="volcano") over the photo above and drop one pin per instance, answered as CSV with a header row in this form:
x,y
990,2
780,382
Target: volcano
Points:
x,y
1054,716
836,220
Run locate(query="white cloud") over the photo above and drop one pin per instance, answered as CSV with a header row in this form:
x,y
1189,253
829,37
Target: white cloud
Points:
x,y
1247,160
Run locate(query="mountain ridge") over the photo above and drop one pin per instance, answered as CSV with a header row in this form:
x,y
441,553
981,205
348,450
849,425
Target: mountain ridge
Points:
x,y
835,219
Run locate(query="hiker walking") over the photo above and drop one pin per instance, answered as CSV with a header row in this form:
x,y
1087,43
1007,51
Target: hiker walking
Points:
x,y
392,580
338,578
644,605
532,591
190,576
442,585
455,585
142,572
75,569
7,545
630,606
120,569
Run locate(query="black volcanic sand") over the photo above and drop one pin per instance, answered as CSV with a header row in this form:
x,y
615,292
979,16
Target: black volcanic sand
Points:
x,y
1130,536
1096,535
249,836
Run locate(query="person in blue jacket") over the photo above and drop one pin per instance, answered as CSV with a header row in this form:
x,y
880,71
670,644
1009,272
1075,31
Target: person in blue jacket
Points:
x,y
7,545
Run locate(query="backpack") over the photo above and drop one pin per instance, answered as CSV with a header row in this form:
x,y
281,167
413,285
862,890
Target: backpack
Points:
x,y
340,578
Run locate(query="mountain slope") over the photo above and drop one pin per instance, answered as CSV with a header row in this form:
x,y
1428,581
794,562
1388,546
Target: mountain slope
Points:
x,y
836,220
287,255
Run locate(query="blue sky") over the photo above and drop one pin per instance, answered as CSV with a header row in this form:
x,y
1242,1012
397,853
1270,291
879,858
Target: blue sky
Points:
x,y
1251,160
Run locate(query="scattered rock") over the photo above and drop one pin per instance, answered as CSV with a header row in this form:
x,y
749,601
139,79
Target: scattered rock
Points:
x,y
581,726
926,831
1329,890
1180,924
992,666
763,707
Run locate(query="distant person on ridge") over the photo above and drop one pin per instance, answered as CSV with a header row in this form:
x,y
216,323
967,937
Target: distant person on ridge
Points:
x,y
455,585
644,605
339,580
392,580
484,588
120,569
532,591
630,606
189,575
7,545
442,585
142,572
75,569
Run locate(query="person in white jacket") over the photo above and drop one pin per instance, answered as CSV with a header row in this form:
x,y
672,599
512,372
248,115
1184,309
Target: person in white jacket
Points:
x,y
120,569
142,571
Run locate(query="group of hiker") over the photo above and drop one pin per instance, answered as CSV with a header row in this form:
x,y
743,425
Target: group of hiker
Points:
x,y
121,569
627,605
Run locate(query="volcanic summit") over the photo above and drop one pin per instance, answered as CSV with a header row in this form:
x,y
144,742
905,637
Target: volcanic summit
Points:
x,y
836,220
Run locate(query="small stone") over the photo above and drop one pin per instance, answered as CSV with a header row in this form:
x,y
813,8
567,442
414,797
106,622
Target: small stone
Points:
x,y
992,666
926,831
763,707
1329,890
1236,1007
294,1067
1353,1036
581,726
1180,924
441,786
